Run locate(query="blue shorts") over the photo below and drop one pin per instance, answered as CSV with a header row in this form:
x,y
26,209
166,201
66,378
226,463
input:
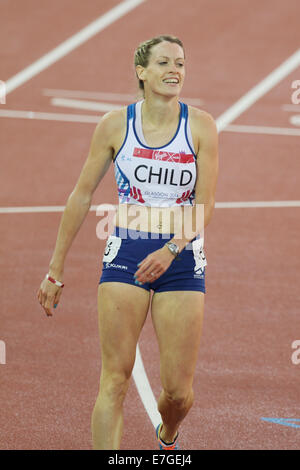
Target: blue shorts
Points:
x,y
125,248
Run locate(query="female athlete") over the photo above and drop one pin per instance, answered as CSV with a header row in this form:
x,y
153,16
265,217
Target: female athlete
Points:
x,y
165,155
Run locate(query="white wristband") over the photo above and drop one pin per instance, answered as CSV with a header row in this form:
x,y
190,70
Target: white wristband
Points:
x,y
54,281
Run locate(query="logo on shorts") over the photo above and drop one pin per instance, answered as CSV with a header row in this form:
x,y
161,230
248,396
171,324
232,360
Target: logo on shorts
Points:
x,y
199,273
118,266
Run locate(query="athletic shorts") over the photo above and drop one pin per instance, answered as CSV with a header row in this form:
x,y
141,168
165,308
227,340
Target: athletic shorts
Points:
x,y
126,248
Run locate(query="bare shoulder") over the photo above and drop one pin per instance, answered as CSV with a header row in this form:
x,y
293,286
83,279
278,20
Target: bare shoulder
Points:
x,y
115,124
203,128
201,119
112,123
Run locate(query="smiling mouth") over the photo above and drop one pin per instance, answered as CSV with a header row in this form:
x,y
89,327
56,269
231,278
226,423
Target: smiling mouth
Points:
x,y
171,81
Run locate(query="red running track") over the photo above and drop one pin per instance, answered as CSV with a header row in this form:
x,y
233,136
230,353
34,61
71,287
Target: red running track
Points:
x,y
50,380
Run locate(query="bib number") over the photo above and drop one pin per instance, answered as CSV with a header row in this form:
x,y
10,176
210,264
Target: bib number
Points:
x,y
199,256
111,249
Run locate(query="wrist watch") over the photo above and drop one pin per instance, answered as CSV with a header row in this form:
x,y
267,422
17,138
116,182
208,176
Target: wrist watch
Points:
x,y
173,248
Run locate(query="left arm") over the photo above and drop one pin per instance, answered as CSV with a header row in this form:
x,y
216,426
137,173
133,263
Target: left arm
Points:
x,y
205,189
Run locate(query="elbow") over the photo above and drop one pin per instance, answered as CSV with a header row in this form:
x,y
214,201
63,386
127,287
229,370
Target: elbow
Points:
x,y
81,198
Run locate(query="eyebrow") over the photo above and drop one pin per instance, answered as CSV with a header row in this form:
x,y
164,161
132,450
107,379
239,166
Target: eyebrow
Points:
x,y
166,57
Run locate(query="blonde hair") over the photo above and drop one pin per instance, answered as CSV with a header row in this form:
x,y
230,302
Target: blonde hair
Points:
x,y
143,52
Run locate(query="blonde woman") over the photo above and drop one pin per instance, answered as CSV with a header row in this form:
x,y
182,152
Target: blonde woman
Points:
x,y
165,156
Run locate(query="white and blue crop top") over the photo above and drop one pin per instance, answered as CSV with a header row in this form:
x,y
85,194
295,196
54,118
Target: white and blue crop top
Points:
x,y
157,177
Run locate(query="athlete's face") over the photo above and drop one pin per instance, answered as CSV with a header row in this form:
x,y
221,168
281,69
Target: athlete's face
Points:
x,y
166,70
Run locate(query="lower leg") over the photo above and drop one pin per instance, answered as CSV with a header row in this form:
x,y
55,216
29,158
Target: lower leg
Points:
x,y
107,422
173,412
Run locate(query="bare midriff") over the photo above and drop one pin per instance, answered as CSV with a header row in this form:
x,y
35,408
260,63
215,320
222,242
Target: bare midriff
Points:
x,y
171,220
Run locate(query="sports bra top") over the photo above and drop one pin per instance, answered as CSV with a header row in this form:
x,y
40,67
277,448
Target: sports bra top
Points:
x,y
156,177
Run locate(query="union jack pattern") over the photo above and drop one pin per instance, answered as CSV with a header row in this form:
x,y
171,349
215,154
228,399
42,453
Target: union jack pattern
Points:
x,y
122,183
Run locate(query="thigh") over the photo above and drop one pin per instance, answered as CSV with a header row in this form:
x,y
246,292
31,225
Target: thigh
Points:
x,y
177,319
122,311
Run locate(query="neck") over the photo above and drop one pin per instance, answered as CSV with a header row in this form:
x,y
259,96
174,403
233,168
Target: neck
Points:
x,y
160,110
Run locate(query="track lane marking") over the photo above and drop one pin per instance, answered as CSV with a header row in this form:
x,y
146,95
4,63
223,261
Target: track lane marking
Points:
x,y
258,91
262,130
84,118
144,389
106,96
101,108
83,104
95,208
223,121
291,107
291,422
70,44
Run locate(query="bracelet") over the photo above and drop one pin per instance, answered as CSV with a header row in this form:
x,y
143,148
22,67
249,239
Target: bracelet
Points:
x,y
58,283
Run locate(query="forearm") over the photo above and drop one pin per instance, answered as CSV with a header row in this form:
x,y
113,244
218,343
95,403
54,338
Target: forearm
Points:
x,y
192,224
73,216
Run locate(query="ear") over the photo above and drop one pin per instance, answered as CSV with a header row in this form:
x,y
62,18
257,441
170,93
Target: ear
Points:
x,y
140,71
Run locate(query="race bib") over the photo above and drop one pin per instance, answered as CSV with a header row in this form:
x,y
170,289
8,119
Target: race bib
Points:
x,y
111,249
199,256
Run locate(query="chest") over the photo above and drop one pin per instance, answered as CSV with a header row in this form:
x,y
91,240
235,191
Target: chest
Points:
x,y
155,137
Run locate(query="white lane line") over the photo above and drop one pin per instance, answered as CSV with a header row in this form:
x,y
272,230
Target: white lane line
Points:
x,y
106,96
295,120
11,113
93,95
31,210
258,91
104,107
95,208
81,104
291,107
144,389
256,204
70,44
139,374
262,130
45,209
224,120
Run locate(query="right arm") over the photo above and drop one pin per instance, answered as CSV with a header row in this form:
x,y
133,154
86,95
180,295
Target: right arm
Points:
x,y
78,204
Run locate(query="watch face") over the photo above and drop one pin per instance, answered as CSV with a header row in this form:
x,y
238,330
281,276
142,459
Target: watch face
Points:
x,y
174,247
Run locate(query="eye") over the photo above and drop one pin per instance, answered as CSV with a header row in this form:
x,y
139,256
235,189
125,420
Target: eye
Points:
x,y
180,64
163,63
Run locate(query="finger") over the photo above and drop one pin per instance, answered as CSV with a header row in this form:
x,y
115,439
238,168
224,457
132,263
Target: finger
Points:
x,y
140,277
43,298
148,267
48,312
57,298
142,266
151,273
48,305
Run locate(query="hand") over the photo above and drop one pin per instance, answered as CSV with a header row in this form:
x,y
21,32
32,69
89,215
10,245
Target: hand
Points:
x,y
49,295
154,265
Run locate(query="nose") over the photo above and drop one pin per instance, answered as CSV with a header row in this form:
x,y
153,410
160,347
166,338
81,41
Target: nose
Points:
x,y
173,67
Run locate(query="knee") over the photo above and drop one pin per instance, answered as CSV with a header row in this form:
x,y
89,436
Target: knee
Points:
x,y
180,398
114,386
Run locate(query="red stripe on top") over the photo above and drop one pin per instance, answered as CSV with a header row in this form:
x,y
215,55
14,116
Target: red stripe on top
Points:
x,y
163,156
